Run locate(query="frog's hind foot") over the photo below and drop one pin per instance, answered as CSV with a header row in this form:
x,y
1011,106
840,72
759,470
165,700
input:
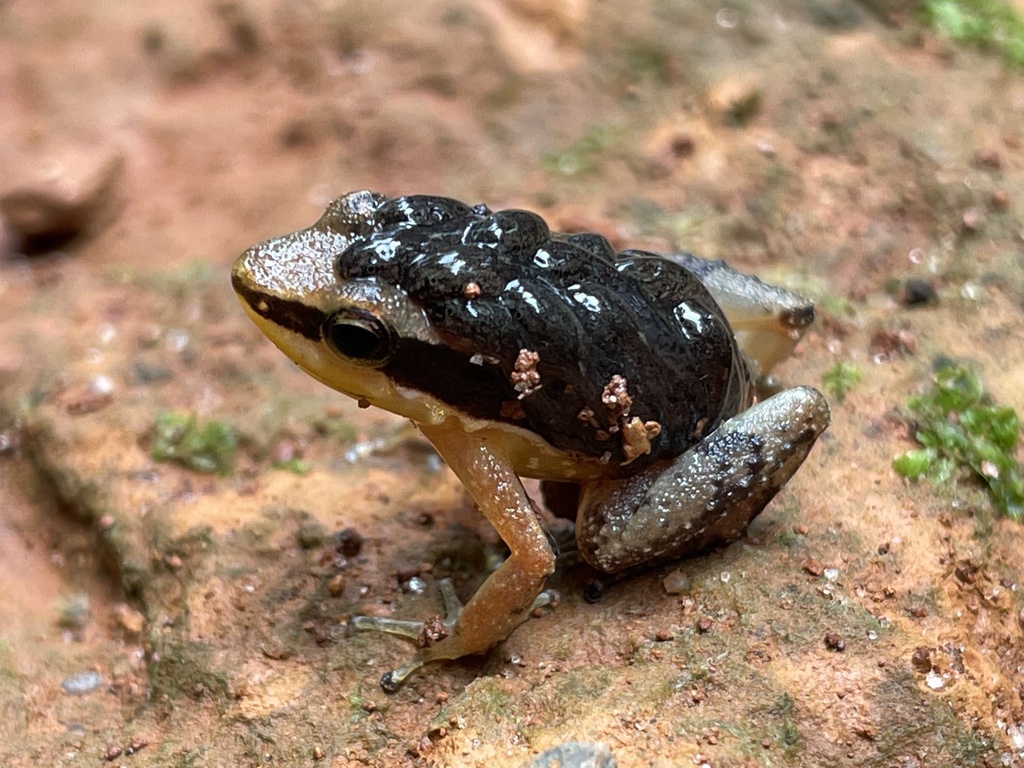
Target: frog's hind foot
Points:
x,y
426,633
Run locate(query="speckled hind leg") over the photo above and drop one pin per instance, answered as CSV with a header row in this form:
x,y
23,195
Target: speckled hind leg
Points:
x,y
707,496
509,594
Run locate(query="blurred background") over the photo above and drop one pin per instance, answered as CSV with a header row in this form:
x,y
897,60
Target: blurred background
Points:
x,y
180,601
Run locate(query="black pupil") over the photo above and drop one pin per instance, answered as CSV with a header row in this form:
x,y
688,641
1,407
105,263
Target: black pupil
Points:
x,y
359,338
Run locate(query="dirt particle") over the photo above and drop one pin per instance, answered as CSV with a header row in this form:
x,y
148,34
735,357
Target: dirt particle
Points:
x,y
734,100
676,583
276,648
813,567
112,752
616,398
407,571
834,642
586,415
92,397
310,534
318,753
704,624
173,562
48,211
637,436
917,292
434,630
348,542
130,620
921,659
972,220
336,585
1000,200
988,158
525,376
888,345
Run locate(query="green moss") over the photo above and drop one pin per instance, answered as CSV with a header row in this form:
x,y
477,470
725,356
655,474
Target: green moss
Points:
x,y
990,25
208,447
295,466
179,668
963,432
788,732
582,157
840,379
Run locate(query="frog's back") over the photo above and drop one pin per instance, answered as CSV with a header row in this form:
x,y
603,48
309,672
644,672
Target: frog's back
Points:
x,y
554,333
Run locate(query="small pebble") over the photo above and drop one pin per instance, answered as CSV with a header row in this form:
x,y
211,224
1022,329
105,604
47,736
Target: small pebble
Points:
x,y
129,619
47,210
574,754
972,220
348,541
934,681
82,683
888,345
676,583
310,534
917,292
813,567
988,158
734,100
336,585
415,586
834,642
921,660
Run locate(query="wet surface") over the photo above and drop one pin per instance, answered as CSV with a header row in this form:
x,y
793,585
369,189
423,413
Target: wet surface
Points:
x,y
864,620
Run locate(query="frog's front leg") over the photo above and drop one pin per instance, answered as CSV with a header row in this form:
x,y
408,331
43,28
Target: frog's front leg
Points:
x,y
508,595
707,496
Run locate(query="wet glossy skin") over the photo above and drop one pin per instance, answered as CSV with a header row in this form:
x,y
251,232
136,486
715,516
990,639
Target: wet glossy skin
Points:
x,y
518,351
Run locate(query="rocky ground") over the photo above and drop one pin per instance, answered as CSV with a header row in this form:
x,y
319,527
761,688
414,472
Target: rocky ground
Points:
x,y
157,614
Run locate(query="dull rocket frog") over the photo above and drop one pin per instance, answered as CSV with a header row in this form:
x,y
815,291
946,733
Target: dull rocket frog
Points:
x,y
635,384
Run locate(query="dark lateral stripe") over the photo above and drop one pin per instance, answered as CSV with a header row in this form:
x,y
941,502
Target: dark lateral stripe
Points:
x,y
293,315
449,376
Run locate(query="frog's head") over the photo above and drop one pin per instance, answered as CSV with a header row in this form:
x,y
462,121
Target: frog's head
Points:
x,y
341,331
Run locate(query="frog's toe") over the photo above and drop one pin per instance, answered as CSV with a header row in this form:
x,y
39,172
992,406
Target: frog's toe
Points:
x,y
423,633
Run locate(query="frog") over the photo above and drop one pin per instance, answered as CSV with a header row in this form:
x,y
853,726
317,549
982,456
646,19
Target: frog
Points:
x,y
636,386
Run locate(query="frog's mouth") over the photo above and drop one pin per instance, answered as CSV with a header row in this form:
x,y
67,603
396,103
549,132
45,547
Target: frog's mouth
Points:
x,y
266,309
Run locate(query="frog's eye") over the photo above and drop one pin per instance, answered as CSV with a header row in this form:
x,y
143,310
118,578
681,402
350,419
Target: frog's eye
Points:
x,y
360,336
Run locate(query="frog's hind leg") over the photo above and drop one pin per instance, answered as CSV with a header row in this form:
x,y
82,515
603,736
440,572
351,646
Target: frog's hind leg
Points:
x,y
707,496
768,321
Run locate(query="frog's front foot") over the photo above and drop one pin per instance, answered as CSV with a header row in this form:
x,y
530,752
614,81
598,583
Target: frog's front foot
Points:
x,y
436,637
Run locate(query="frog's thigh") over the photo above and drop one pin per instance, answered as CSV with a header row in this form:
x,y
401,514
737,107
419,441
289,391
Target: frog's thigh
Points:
x,y
707,496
